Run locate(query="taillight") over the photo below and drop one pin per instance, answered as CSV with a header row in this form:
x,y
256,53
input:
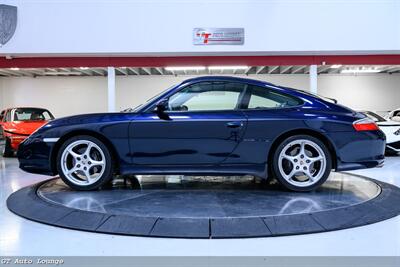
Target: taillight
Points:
x,y
365,124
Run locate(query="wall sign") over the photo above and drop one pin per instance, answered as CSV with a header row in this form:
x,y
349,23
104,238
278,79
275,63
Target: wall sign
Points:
x,y
8,22
218,36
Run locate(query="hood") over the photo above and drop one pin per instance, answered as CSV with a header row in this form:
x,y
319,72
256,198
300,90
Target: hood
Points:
x,y
23,127
90,118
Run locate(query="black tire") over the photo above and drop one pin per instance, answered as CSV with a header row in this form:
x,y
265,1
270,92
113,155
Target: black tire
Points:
x,y
7,150
277,173
108,169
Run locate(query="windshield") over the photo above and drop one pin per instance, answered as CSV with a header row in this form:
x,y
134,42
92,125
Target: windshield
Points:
x,y
148,100
32,114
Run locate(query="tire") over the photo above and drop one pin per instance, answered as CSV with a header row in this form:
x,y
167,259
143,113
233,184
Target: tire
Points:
x,y
82,169
301,171
7,150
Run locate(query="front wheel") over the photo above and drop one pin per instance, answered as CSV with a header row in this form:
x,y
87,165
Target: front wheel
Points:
x,y
84,163
302,163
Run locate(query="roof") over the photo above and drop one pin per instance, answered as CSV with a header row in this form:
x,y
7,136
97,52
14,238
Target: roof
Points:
x,y
227,78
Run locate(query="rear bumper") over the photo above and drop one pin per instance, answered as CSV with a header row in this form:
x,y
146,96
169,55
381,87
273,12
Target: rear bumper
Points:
x,y
359,150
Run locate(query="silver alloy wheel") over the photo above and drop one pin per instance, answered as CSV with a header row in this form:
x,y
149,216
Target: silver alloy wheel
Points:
x,y
83,162
302,163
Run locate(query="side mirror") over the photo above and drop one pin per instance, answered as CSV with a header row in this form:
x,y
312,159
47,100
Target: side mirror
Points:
x,y
161,107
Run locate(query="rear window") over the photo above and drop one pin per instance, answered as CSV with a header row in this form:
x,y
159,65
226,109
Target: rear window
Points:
x,y
264,98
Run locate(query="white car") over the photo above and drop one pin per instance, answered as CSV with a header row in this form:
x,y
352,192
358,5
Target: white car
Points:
x,y
391,127
394,115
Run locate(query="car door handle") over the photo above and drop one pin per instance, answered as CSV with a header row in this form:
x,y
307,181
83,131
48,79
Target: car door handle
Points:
x,y
234,124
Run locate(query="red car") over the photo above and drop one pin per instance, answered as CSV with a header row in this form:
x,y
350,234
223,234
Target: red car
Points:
x,y
16,124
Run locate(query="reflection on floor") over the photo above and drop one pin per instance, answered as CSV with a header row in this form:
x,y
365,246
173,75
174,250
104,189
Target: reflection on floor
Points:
x,y
211,199
22,237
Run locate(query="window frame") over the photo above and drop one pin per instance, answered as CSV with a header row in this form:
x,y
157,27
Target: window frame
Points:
x,y
235,109
246,99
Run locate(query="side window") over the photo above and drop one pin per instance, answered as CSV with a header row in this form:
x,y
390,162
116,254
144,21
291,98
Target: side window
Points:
x,y
396,113
2,115
206,96
47,116
8,116
264,98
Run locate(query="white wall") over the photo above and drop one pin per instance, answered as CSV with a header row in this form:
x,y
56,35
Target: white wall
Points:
x,y
376,92
140,27
74,95
62,96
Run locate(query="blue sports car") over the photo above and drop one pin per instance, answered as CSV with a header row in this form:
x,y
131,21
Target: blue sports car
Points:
x,y
206,126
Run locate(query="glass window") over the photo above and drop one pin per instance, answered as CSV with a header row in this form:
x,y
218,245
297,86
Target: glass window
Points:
x,y
32,114
8,116
206,96
264,98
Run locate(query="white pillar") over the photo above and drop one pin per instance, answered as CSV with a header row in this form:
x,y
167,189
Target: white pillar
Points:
x,y
314,79
111,89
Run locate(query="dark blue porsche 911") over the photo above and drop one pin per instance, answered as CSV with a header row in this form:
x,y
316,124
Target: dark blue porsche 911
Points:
x,y
206,126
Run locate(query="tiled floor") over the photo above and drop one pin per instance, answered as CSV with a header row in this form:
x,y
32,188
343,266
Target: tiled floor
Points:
x,y
22,237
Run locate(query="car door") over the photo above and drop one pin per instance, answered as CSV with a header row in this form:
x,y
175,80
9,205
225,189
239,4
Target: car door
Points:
x,y
203,127
270,113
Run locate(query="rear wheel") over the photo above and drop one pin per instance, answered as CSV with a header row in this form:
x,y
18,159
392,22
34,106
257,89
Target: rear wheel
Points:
x,y
7,150
302,163
84,163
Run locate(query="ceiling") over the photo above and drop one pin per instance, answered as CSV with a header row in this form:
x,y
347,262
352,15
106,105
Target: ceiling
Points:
x,y
128,71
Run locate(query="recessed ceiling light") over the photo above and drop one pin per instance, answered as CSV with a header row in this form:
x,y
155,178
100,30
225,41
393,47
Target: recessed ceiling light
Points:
x,y
360,71
185,68
62,73
84,68
227,67
336,66
14,68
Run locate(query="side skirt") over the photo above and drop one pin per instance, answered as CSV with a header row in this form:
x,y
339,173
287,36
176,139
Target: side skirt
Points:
x,y
229,170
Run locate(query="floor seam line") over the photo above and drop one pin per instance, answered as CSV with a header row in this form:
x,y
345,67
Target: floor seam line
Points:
x,y
154,225
66,215
262,219
102,223
316,221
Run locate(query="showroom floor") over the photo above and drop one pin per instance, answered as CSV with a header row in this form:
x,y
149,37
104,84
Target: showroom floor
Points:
x,y
19,236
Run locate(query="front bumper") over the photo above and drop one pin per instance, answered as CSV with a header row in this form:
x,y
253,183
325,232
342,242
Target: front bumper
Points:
x,y
34,156
15,140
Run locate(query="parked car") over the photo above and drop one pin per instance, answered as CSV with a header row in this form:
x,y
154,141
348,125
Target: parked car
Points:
x,y
391,130
18,123
393,115
210,125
